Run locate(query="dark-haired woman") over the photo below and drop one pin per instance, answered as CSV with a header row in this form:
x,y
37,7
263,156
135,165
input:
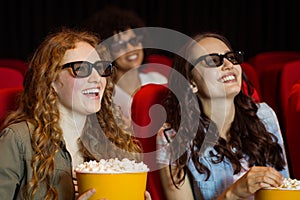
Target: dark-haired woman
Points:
x,y
217,142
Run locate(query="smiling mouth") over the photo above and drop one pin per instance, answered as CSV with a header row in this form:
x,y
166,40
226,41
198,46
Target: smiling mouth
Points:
x,y
91,92
228,78
132,57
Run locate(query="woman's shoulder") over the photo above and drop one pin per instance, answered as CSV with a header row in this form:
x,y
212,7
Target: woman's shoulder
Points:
x,y
16,138
18,130
265,111
268,117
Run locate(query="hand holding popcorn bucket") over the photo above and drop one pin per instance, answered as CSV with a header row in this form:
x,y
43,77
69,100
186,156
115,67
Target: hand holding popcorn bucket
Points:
x,y
113,179
289,190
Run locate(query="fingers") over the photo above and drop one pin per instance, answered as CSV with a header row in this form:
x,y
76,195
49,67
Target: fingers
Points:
x,y
166,125
256,178
263,177
147,196
267,176
87,195
272,179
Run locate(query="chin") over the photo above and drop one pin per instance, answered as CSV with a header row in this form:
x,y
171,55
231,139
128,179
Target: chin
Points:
x,y
93,110
233,92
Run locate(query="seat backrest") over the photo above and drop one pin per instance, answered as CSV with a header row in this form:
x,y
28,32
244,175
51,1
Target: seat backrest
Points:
x,y
148,116
268,66
263,59
290,74
253,78
8,100
292,134
158,63
17,64
10,77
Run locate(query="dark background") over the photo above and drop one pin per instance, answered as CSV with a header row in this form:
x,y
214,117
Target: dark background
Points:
x,y
251,25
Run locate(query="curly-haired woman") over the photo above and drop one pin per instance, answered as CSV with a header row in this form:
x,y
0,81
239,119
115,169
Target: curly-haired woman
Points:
x,y
65,116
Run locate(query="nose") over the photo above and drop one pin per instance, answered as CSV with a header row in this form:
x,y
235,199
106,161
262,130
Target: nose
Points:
x,y
227,64
94,77
129,46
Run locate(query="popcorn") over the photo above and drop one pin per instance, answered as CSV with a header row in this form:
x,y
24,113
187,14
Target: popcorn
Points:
x,y
289,183
112,166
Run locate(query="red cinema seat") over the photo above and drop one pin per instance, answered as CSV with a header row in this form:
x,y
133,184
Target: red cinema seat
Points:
x,y
292,134
268,66
261,60
148,116
158,63
290,74
253,78
10,77
17,64
8,100
269,80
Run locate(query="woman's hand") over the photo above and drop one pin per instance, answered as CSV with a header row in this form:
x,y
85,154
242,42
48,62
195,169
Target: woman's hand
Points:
x,y
87,195
256,178
147,196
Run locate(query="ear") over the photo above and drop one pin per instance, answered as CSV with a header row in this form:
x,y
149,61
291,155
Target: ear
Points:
x,y
194,87
56,85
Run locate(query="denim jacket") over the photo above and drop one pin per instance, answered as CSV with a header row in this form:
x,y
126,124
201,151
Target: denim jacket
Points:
x,y
221,176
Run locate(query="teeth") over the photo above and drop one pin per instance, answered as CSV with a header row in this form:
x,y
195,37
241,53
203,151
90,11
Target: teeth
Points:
x,y
91,91
132,57
228,78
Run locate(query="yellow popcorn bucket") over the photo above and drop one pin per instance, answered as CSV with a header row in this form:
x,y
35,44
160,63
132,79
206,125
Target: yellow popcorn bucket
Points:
x,y
113,186
277,194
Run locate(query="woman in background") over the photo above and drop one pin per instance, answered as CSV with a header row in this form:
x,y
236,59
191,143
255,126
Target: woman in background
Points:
x,y
121,29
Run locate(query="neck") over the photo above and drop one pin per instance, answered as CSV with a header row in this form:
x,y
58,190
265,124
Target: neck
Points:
x,y
221,111
71,122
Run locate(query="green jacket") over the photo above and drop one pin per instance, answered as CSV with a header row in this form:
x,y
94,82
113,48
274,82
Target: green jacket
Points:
x,y
15,165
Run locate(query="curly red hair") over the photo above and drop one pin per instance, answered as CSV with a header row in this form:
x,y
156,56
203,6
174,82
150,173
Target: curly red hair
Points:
x,y
39,106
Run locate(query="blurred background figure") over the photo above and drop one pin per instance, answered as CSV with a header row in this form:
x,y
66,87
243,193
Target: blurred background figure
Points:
x,y
119,28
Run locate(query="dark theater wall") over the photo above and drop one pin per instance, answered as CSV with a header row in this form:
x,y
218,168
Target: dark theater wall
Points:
x,y
252,25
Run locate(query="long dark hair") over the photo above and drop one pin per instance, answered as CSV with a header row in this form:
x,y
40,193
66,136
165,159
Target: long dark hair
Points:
x,y
247,135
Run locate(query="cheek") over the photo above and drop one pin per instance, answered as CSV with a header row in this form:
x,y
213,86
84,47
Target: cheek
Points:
x,y
103,84
206,76
240,72
141,54
118,61
72,86
139,47
239,69
69,90
116,56
63,85
77,85
206,81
